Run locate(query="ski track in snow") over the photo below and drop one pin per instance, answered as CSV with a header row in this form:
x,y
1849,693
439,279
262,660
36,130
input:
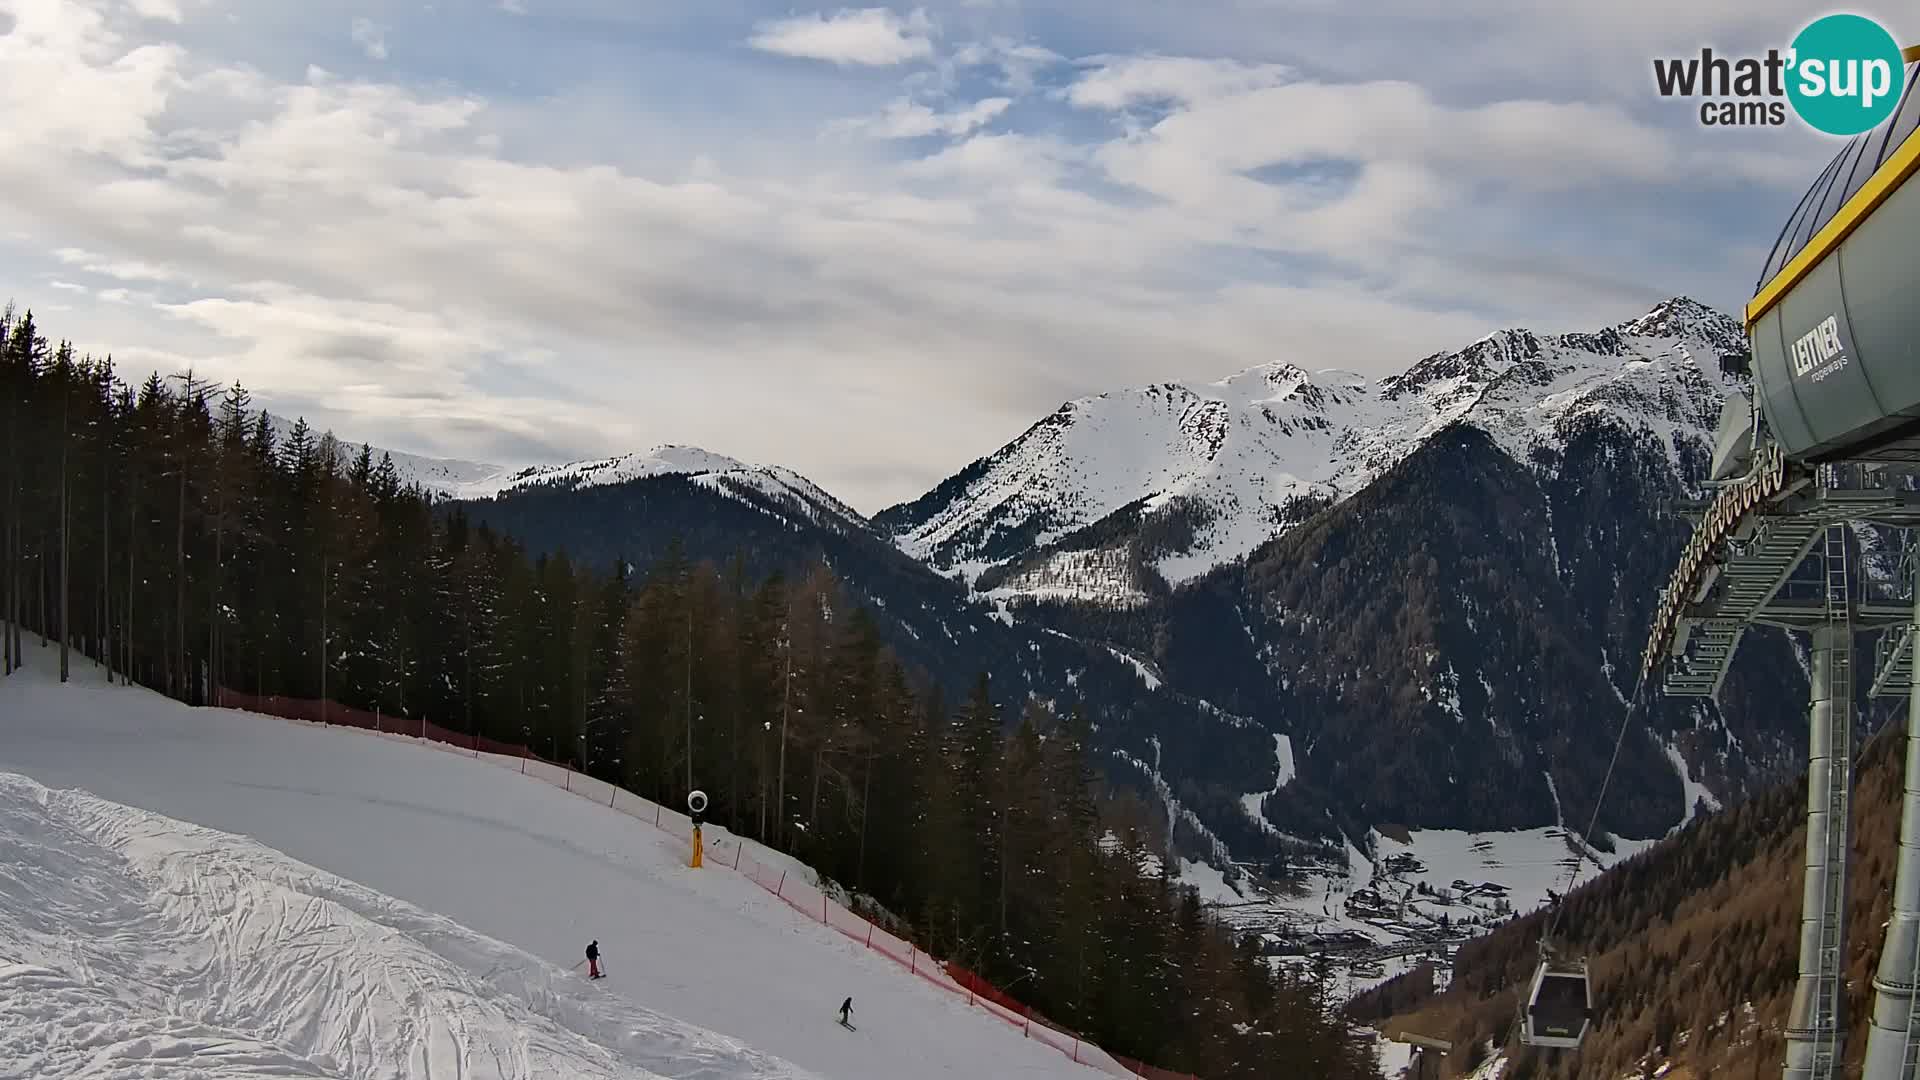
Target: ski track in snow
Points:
x,y
520,875
133,945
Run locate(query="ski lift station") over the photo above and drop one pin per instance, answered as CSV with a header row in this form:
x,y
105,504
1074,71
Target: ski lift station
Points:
x,y
1829,441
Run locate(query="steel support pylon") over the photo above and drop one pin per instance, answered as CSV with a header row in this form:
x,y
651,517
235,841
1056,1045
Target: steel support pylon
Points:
x,y
1816,1028
1893,1039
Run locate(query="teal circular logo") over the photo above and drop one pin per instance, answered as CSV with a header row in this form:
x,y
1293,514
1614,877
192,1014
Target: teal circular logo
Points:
x,y
1845,74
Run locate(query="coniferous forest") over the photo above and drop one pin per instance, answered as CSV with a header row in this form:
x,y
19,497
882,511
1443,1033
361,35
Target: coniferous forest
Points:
x,y
164,533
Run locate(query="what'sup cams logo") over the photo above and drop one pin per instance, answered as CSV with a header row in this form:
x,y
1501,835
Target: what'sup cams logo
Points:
x,y
1842,75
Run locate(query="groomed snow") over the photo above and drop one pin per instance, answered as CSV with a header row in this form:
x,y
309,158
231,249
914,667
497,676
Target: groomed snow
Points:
x,y
516,860
134,945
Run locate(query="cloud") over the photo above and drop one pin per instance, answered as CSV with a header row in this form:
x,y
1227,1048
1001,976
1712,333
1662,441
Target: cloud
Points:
x,y
165,10
513,7
905,119
1019,63
1125,81
371,37
591,261
874,37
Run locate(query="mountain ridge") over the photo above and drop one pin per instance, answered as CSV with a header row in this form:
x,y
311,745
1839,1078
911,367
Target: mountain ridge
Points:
x,y
1572,443
1229,465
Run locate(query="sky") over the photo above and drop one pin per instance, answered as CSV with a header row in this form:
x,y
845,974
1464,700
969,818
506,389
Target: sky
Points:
x,y
868,243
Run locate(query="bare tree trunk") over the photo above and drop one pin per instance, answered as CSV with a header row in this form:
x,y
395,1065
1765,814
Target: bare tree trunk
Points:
x,y
66,528
106,562
213,598
1006,845
786,709
7,585
180,579
324,648
133,546
866,794
813,802
466,659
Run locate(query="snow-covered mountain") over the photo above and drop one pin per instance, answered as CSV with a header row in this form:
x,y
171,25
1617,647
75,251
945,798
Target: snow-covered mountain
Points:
x,y
1172,480
716,472
762,485
1492,513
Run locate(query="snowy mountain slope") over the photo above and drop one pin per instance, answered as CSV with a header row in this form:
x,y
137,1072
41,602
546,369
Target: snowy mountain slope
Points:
x,y
759,484
715,471
523,863
134,943
1226,466
443,476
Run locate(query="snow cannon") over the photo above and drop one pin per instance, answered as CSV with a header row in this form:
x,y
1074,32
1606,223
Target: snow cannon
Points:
x,y
697,807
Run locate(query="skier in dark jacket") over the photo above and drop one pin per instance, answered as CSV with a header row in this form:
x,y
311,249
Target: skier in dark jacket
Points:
x,y
593,959
846,1010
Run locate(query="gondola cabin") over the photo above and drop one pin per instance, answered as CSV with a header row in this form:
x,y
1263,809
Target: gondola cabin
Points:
x,y
1559,1007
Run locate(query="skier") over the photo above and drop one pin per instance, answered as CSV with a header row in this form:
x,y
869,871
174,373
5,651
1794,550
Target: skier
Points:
x,y
846,1009
593,959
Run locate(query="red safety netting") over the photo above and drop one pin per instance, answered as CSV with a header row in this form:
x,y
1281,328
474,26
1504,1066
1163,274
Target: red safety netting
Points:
x,y
720,849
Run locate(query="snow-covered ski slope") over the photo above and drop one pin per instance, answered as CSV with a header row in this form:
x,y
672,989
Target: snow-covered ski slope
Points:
x,y
516,860
135,945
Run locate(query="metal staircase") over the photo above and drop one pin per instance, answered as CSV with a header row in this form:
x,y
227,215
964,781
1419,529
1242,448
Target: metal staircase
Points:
x,y
1745,583
1893,662
1743,587
1893,650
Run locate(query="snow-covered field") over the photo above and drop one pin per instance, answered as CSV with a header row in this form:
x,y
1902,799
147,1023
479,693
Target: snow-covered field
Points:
x,y
135,945
500,856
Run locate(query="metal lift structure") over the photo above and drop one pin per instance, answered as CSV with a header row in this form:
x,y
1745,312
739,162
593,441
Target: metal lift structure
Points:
x,y
1830,439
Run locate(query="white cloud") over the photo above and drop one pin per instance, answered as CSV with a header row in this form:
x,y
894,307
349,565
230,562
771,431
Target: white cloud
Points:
x,y
371,37
165,10
441,271
513,7
1122,82
874,37
1018,62
905,119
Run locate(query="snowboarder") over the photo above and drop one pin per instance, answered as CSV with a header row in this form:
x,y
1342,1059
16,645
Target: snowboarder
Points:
x,y
846,1010
593,959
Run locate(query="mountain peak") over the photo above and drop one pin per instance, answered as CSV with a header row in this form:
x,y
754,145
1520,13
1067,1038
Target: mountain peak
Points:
x,y
1224,467
1683,316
